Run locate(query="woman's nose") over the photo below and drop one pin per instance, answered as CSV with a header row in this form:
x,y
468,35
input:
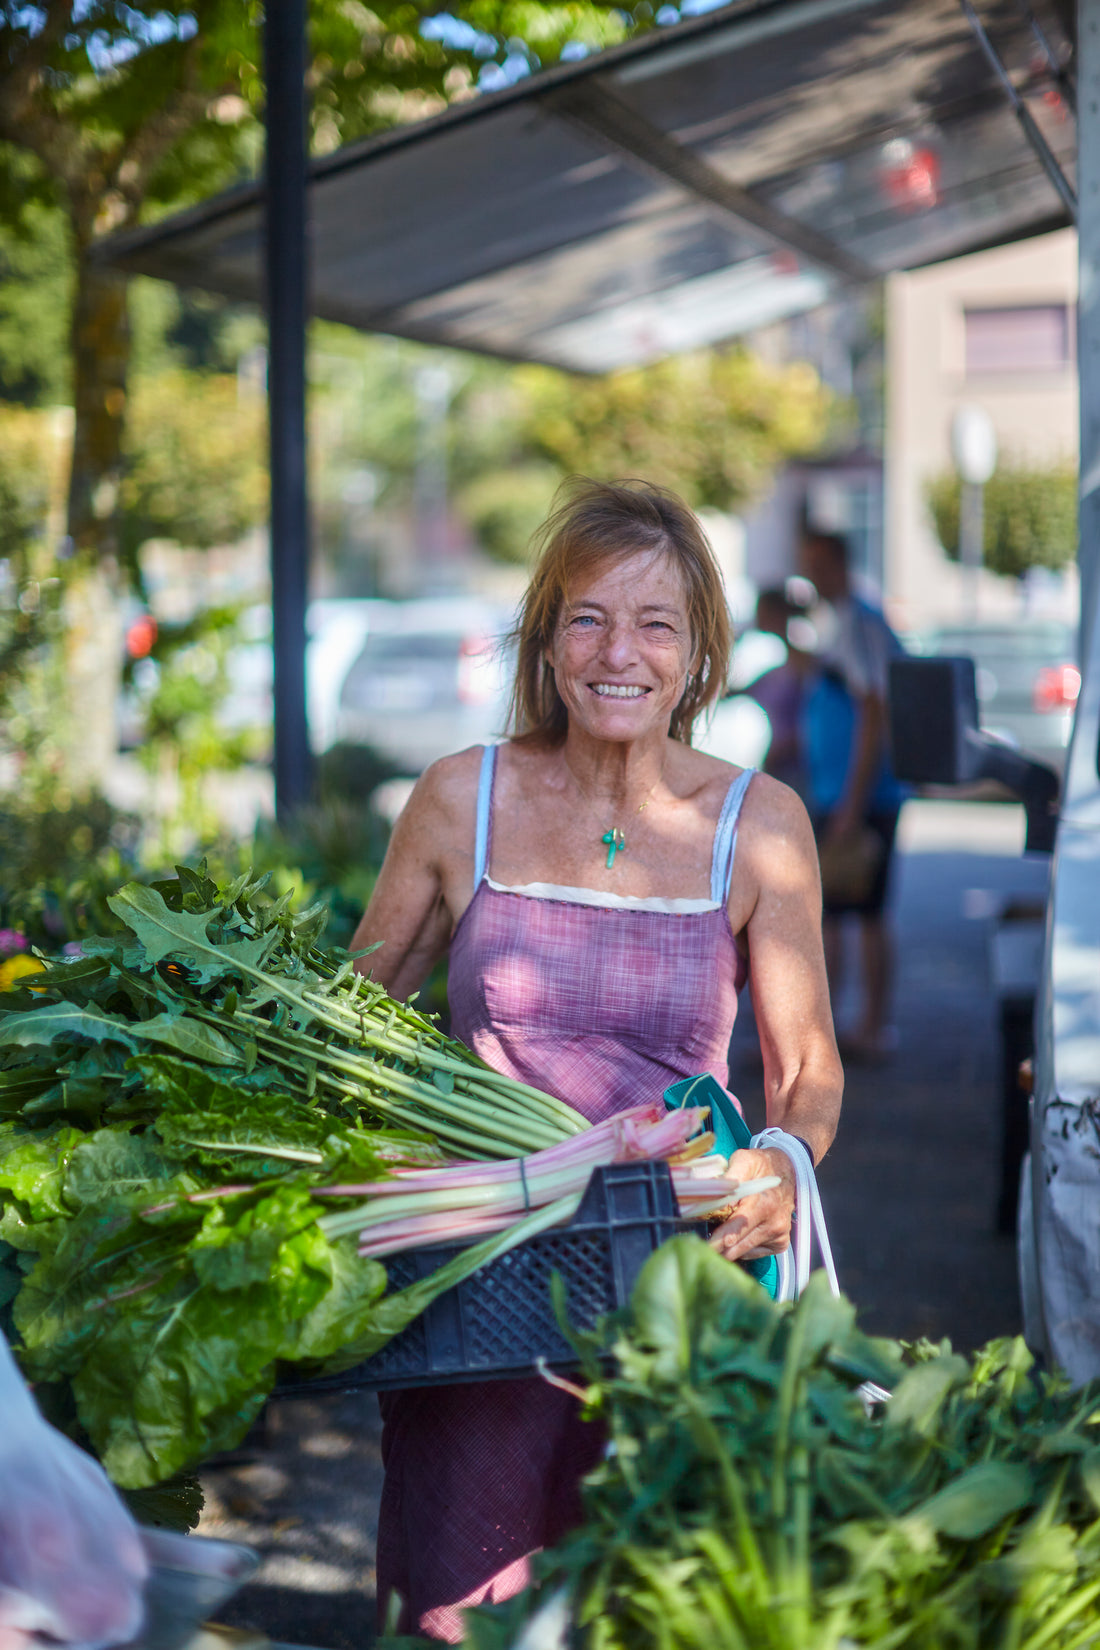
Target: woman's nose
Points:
x,y
619,646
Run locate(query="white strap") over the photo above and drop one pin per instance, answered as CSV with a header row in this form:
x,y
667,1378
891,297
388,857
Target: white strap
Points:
x,y
725,838
484,812
809,1218
795,1274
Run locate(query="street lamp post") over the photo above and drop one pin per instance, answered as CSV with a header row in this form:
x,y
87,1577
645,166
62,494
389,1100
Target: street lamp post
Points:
x,y
974,450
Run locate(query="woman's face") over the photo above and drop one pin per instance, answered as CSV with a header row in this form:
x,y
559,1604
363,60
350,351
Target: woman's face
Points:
x,y
622,648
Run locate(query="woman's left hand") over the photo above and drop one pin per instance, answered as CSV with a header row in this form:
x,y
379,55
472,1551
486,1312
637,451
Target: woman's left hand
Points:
x,y
761,1224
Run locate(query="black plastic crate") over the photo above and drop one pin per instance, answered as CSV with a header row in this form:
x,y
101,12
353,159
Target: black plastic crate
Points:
x,y
500,1320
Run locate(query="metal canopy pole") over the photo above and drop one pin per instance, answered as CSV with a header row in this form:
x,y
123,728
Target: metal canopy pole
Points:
x,y
1088,303
286,266
1038,142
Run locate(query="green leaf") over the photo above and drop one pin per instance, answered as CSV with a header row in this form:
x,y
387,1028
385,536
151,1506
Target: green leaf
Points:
x,y
1089,1467
920,1395
111,1163
107,1266
309,925
978,1499
175,1504
191,1037
174,1378
182,935
33,1169
41,1027
198,1111
66,977
681,1289
824,1319
339,1317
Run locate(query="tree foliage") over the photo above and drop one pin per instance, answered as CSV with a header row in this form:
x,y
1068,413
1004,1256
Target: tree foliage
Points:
x,y
33,476
712,425
35,280
1030,516
195,470
504,507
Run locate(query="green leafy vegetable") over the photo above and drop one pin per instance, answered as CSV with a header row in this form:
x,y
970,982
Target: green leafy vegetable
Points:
x,y
752,1501
169,1105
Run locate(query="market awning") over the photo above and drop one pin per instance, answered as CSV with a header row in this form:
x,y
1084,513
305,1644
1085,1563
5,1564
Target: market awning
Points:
x,y
693,184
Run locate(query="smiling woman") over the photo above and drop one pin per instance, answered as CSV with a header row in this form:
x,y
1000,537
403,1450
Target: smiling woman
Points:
x,y
603,528
604,891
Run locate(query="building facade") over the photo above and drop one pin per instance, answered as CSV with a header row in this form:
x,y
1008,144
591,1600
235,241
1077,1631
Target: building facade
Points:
x,y
995,330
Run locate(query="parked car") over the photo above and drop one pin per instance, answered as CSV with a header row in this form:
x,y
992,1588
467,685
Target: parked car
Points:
x,y
1026,678
430,678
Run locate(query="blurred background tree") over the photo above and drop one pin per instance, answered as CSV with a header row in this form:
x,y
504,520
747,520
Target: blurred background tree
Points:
x,y
714,425
194,466
111,114
1030,517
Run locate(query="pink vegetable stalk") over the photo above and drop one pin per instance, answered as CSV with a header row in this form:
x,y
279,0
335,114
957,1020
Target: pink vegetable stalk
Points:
x,y
469,1200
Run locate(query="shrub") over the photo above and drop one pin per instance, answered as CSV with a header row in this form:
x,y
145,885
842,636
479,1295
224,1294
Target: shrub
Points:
x,y
1030,516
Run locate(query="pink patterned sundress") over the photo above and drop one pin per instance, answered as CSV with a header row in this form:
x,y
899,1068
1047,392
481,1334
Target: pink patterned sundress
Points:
x,y
602,1000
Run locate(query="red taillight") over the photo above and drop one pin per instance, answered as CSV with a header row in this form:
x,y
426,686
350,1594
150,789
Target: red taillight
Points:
x,y
141,637
1056,687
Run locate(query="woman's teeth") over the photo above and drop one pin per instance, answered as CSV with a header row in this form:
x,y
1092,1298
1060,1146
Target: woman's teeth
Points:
x,y
613,690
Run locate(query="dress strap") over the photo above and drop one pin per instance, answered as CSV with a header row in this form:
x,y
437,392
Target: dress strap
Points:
x,y
484,838
725,838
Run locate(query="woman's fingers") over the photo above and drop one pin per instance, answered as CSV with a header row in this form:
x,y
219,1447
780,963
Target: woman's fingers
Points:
x,y
760,1225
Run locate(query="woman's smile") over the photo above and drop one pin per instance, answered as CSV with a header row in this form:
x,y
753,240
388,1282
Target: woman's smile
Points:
x,y
618,690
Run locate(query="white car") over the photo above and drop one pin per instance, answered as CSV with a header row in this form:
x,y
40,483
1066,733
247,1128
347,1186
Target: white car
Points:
x,y
428,678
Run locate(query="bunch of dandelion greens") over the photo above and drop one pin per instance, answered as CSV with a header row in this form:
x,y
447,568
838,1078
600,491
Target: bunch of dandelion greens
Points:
x,y
183,1112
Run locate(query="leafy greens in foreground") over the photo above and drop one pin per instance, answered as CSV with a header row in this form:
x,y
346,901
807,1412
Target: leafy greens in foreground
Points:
x,y
751,1502
170,1104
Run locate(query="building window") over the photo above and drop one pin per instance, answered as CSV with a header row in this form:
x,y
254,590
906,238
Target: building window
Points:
x,y
1029,338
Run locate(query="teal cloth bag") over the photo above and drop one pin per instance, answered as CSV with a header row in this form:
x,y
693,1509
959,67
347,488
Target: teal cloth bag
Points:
x,y
731,1134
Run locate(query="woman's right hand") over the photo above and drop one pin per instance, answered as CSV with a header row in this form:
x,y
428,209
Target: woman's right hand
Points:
x,y
761,1224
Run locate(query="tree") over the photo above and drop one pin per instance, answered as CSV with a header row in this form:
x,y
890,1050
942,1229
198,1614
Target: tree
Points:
x,y
712,426
1030,516
194,468
114,110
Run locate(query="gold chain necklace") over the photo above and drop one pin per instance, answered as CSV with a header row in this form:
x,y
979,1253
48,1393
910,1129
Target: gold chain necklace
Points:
x,y
615,839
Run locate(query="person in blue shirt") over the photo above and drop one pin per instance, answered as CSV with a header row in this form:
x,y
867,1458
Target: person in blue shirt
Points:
x,y
854,796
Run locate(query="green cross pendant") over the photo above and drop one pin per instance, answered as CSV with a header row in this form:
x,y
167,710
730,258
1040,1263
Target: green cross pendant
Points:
x,y
616,843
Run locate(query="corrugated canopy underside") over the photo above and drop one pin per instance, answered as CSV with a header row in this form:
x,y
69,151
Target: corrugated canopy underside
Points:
x,y
682,189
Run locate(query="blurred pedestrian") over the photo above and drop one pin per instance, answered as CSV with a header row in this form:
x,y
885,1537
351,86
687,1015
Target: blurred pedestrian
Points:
x,y
854,795
781,691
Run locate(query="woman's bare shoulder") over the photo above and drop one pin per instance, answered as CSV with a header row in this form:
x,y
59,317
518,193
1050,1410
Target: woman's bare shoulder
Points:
x,y
771,809
445,795
696,774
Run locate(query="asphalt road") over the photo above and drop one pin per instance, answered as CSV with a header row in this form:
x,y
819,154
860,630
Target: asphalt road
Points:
x,y
909,1190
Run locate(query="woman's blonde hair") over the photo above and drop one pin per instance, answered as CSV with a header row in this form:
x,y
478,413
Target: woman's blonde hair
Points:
x,y
599,521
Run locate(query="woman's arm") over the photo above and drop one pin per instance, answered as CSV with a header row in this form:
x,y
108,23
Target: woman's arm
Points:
x,y
803,1077
411,914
